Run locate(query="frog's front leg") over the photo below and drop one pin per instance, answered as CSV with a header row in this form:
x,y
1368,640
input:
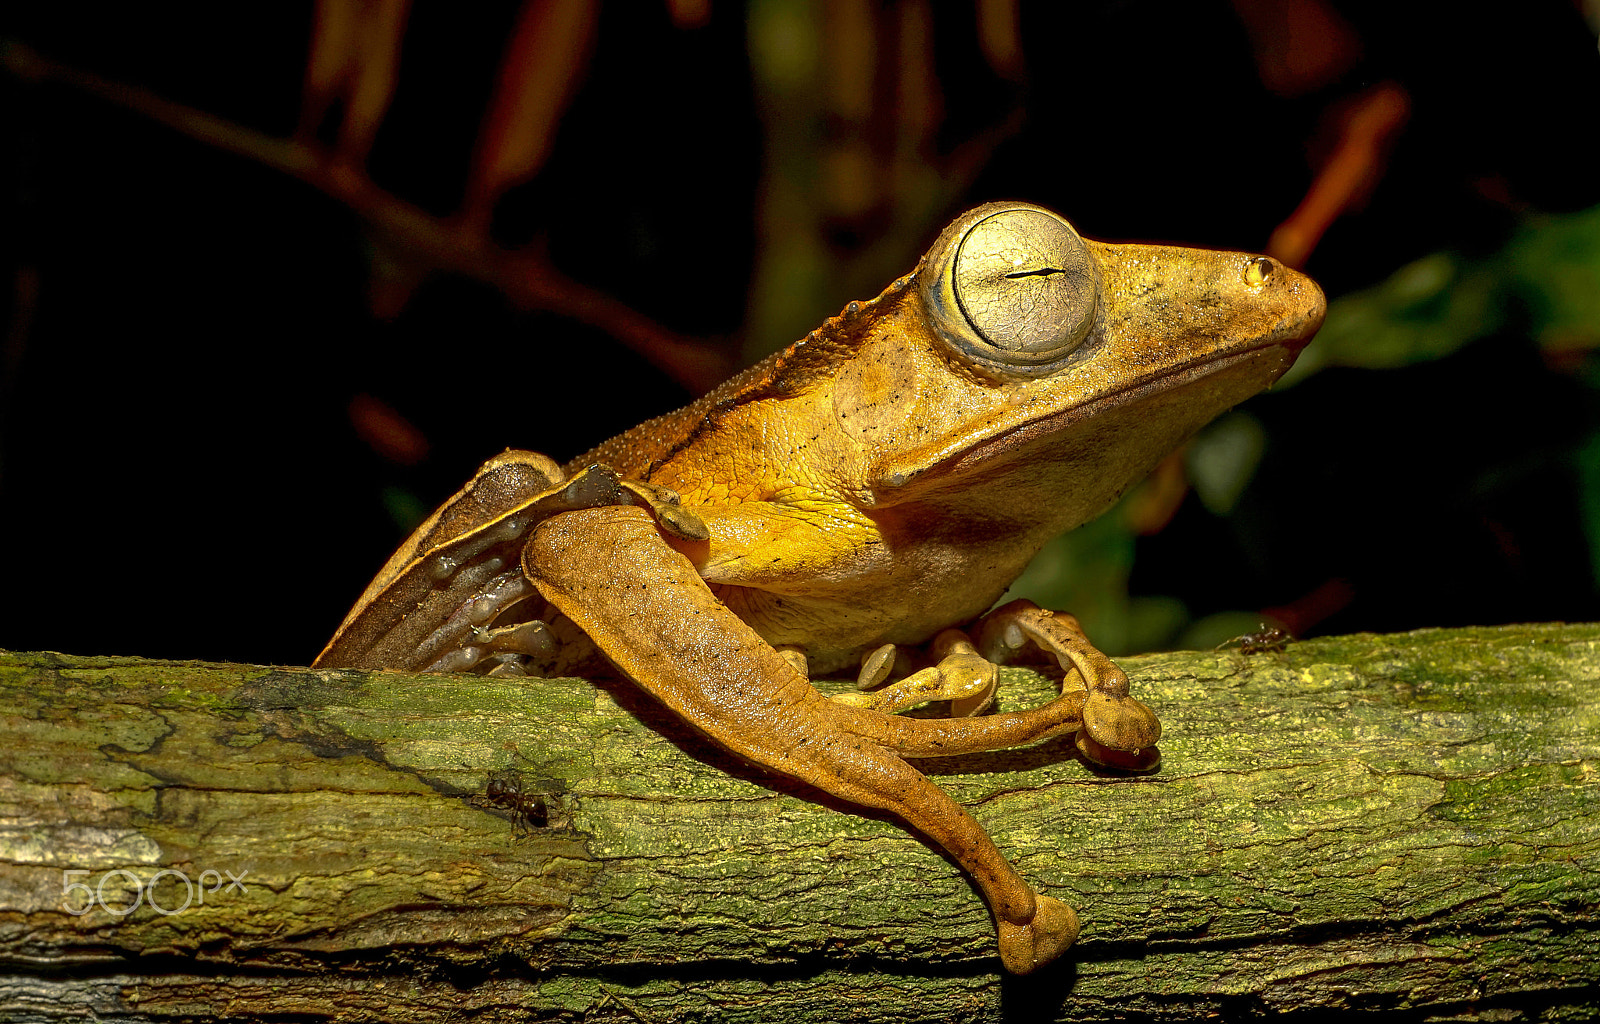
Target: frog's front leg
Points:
x,y
961,676
1119,730
646,608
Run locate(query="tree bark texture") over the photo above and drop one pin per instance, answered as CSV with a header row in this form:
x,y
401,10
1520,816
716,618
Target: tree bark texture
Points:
x,y
1386,825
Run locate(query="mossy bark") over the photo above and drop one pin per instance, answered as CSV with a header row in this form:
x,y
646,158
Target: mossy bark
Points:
x,y
1381,824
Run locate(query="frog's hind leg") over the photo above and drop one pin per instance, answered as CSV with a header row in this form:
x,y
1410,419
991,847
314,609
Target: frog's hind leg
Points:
x,y
609,571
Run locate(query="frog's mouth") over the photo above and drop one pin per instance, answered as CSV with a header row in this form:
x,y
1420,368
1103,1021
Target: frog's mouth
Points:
x,y
1175,412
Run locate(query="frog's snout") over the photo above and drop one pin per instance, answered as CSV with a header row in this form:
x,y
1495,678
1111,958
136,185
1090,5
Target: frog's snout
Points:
x,y
1300,299
1317,307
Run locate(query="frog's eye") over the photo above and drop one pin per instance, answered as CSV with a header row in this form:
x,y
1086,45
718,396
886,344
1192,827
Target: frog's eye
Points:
x,y
1015,292
1258,271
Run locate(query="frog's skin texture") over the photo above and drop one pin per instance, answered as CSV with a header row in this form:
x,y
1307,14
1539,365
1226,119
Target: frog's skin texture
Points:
x,y
874,487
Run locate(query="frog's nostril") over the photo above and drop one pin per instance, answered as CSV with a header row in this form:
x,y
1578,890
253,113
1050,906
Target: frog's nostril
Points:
x,y
1259,271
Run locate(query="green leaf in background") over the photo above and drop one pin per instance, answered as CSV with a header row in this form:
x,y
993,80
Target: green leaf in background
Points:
x,y
1548,273
406,510
1554,267
1425,310
1222,459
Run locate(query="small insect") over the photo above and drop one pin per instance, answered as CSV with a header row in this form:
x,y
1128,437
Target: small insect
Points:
x,y
1267,638
528,808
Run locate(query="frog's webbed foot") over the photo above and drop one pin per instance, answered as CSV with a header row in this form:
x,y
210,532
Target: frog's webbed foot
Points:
x,y
961,676
1118,731
1053,928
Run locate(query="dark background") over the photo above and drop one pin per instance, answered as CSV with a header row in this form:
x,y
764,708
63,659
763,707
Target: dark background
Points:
x,y
182,465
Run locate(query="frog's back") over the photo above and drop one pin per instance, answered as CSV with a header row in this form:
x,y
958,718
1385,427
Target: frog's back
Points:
x,y
635,453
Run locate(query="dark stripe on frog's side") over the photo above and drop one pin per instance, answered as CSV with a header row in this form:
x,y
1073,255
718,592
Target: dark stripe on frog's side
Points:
x,y
492,494
506,481
401,622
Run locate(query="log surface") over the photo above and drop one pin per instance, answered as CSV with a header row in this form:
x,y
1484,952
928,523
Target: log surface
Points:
x,y
1386,825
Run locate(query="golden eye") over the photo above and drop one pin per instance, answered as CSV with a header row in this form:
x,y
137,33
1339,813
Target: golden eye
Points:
x,y
1022,281
1015,291
1259,271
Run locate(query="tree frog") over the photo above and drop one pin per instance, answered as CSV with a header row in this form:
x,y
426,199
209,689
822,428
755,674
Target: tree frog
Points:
x,y
870,490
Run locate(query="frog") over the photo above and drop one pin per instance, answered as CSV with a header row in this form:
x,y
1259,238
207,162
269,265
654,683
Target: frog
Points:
x,y
858,503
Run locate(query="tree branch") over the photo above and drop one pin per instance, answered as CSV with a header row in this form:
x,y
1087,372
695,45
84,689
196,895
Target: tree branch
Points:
x,y
1404,823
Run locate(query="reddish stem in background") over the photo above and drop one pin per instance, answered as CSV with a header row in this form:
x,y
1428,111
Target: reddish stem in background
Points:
x,y
1369,127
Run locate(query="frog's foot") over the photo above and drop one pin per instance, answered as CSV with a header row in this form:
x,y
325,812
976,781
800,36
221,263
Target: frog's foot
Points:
x,y
1118,731
1024,947
962,676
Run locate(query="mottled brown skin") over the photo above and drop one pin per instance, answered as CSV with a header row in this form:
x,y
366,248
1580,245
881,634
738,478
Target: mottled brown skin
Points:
x,y
877,483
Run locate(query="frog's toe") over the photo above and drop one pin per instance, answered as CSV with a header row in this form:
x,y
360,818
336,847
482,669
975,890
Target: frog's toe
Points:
x,y
1142,760
968,681
1120,721
869,701
1119,732
917,688
962,676
1025,947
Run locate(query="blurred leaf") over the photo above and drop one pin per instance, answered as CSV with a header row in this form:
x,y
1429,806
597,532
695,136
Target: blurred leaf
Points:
x,y
1588,472
1553,265
1299,45
378,68
394,274
1223,458
785,41
333,53
1367,130
1151,505
1217,629
387,432
1425,310
538,74
855,178
1550,271
1000,38
355,56
1085,572
689,14
406,511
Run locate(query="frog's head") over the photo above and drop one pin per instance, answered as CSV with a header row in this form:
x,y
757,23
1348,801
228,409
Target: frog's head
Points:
x,y
1020,295
1023,354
